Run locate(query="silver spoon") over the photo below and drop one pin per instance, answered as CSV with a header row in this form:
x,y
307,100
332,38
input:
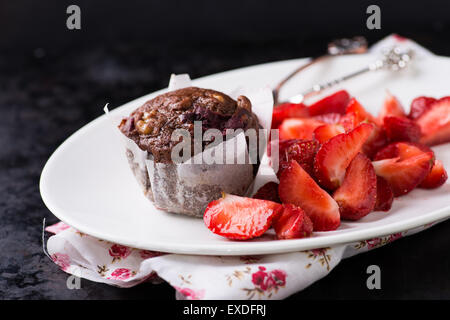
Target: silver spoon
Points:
x,y
338,47
393,59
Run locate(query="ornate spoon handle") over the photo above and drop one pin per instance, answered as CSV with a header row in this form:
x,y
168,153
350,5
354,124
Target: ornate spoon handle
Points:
x,y
338,47
393,59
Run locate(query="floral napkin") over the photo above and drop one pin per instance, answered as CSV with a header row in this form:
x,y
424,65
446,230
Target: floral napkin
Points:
x,y
273,276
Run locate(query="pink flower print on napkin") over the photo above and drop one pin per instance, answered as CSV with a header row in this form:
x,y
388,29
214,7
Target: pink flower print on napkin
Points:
x,y
146,254
121,274
119,252
191,294
269,280
62,260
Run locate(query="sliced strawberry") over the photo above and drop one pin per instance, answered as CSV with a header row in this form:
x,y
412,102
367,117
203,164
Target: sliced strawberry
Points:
x,y
436,177
335,103
435,123
288,110
391,108
302,151
327,131
419,106
401,129
293,223
404,175
376,141
330,118
401,149
297,128
269,191
335,155
385,196
359,111
349,121
240,218
357,195
298,188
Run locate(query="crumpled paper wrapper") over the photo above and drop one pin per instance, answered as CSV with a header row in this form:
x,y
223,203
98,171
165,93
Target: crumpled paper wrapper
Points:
x,y
188,187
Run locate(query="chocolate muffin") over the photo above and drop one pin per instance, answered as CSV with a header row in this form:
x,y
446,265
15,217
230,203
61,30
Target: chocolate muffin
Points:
x,y
183,188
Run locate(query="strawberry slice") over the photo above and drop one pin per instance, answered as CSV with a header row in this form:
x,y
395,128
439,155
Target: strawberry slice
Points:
x,y
298,188
401,129
288,110
297,128
330,118
357,195
334,103
404,175
385,196
419,106
335,155
401,149
436,177
350,121
240,218
391,108
302,151
269,191
435,123
327,131
375,142
293,223
359,111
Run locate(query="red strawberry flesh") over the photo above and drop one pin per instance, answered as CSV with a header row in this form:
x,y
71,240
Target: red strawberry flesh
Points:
x,y
240,218
335,155
269,191
335,103
401,129
292,223
357,195
385,196
436,177
298,128
298,188
404,175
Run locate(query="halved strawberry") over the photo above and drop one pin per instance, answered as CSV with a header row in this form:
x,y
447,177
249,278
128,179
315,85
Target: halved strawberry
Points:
x,y
334,103
288,110
435,123
401,149
298,188
330,118
436,177
302,151
385,196
297,128
401,129
419,106
350,121
359,111
335,155
327,131
391,108
292,223
240,218
404,175
375,142
269,191
357,195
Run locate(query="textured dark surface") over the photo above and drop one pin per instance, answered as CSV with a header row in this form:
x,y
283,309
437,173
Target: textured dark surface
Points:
x,y
46,96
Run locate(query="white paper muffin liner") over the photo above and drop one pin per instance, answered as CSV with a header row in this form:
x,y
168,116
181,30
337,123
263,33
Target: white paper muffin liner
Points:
x,y
187,188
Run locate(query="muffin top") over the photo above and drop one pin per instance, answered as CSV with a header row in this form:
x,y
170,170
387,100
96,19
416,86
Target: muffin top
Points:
x,y
151,125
